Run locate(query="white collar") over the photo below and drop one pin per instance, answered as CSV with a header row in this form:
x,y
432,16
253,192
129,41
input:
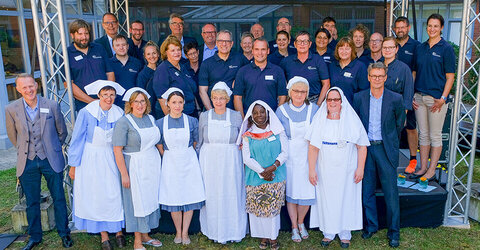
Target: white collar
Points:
x,y
296,109
113,114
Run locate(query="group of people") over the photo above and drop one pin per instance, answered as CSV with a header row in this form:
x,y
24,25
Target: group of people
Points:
x,y
309,124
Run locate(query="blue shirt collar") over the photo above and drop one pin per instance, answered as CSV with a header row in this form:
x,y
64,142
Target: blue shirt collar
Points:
x,y
28,108
381,97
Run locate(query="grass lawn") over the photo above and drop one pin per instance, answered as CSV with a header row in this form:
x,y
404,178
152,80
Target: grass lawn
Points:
x,y
411,238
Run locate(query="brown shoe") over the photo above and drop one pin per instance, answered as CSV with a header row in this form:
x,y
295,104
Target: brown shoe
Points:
x,y
121,241
106,245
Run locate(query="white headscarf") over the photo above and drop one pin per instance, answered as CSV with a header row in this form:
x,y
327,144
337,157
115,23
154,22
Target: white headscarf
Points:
x,y
222,86
350,126
129,93
275,125
297,79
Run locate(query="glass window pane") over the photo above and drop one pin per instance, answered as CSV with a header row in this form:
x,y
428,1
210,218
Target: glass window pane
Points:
x,y
71,7
8,5
456,10
429,9
87,7
11,45
454,35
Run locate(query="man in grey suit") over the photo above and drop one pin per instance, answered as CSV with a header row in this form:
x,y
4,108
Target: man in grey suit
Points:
x,y
36,127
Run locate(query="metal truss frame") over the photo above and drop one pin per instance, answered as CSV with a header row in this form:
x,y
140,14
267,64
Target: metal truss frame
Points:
x,y
461,162
120,9
397,8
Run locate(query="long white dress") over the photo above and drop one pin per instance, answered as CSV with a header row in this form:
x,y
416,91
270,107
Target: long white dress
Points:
x,y
223,218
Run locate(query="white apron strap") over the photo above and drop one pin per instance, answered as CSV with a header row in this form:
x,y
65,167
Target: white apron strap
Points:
x,y
134,124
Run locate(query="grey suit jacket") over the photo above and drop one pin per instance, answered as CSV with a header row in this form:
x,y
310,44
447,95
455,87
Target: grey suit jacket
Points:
x,y
53,131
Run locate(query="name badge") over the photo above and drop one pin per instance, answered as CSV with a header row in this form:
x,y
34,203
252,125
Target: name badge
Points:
x,y
96,57
347,74
132,70
44,110
275,45
177,74
269,77
326,57
272,138
78,58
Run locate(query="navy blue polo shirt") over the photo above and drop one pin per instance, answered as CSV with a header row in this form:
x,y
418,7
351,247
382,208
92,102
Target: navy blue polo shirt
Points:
x,y
215,69
407,51
332,44
272,45
267,85
400,80
145,75
135,51
431,66
328,56
368,59
125,75
314,70
166,76
364,56
275,58
195,76
351,79
85,69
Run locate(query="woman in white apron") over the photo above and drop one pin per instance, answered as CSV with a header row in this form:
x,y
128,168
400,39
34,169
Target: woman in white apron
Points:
x,y
135,141
337,153
223,218
97,197
296,115
181,184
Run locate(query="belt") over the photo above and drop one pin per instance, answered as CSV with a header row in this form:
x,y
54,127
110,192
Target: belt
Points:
x,y
377,142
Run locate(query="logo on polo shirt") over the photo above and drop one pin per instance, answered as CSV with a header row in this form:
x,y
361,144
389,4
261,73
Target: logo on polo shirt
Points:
x,y
408,52
233,66
177,74
96,57
435,54
312,68
132,70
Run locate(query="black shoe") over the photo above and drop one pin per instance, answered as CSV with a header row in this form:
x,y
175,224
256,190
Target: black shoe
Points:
x,y
121,241
106,245
344,244
416,176
325,243
67,241
394,243
367,235
30,245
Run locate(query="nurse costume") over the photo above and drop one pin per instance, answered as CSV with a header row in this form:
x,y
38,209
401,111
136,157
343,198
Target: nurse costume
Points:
x,y
338,209
223,218
138,137
261,147
97,200
181,184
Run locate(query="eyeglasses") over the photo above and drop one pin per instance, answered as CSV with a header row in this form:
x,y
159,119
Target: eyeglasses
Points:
x,y
389,47
283,24
224,41
376,41
195,53
377,77
209,32
108,96
299,91
110,23
302,42
177,24
219,98
142,102
334,99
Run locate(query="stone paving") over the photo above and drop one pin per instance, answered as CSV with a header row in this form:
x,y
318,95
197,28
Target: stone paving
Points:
x,y
8,158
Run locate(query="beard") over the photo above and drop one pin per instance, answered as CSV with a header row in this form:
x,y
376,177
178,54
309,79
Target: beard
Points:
x,y
401,35
81,45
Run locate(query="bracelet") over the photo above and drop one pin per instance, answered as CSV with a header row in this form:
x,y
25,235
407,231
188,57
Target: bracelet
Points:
x,y
275,163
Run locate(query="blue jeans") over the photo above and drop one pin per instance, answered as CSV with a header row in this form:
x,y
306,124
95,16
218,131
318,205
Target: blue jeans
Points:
x,y
377,163
31,181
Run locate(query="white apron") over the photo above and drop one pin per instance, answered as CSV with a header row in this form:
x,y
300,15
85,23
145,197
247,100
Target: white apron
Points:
x,y
223,218
298,185
144,170
181,179
339,198
97,189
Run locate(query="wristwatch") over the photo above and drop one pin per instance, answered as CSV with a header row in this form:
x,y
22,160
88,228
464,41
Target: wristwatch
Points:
x,y
444,98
